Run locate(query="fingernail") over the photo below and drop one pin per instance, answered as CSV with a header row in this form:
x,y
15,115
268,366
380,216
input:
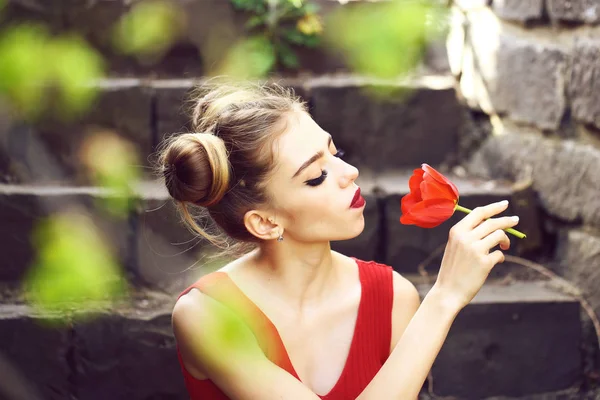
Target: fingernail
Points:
x,y
503,202
516,219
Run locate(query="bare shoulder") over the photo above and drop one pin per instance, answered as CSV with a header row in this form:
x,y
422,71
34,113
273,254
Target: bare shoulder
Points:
x,y
405,291
405,305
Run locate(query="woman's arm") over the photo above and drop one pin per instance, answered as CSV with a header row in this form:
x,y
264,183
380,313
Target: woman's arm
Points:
x,y
407,367
212,339
465,266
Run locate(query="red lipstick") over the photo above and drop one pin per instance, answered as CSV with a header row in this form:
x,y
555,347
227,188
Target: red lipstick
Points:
x,y
357,201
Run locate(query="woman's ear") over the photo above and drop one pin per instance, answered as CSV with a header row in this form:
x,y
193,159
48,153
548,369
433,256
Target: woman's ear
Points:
x,y
261,225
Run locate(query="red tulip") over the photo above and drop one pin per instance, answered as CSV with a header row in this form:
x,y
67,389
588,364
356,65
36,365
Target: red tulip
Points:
x,y
432,200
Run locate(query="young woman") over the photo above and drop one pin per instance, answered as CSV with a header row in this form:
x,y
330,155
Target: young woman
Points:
x,y
290,318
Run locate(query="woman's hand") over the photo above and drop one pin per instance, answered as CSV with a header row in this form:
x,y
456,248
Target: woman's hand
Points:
x,y
467,260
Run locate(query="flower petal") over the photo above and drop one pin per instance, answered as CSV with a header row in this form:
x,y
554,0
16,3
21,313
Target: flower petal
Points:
x,y
432,189
414,183
440,178
407,202
429,213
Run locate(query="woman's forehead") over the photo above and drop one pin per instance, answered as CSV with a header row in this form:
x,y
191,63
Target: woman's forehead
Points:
x,y
302,139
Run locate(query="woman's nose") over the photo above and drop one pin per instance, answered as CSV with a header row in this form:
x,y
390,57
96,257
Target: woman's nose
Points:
x,y
350,174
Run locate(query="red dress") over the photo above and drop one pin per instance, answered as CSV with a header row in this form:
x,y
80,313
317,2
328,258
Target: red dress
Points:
x,y
370,345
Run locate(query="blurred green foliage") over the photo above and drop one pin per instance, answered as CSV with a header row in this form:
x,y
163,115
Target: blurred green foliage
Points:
x,y
276,28
149,29
74,268
110,161
35,66
385,39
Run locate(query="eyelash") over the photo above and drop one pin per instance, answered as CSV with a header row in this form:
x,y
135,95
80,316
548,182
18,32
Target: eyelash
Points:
x,y
317,181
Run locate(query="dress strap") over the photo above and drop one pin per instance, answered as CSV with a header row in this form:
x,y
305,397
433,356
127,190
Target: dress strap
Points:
x,y
378,291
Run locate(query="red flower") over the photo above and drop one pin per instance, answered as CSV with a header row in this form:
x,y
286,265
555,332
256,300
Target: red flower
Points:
x,y
431,201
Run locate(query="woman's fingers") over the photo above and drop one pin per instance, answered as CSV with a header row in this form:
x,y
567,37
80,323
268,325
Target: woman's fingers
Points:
x,y
495,238
493,224
496,257
475,217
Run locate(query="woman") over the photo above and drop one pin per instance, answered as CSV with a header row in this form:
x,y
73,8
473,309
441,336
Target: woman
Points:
x,y
292,319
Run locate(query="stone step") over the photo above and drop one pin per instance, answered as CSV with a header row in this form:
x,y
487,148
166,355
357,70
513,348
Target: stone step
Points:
x,y
156,250
512,340
421,121
205,22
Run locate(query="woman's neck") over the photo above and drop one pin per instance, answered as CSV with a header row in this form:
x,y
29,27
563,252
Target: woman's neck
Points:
x,y
303,272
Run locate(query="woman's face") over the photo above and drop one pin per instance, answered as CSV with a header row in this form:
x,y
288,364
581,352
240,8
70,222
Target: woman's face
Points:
x,y
312,188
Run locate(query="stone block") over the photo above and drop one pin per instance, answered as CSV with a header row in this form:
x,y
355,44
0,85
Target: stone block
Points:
x,y
128,356
584,84
531,80
407,245
49,151
564,174
413,124
173,107
519,10
582,11
167,255
24,207
34,356
514,340
509,72
577,258
34,11
366,245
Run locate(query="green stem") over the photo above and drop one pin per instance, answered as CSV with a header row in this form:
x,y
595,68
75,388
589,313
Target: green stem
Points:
x,y
509,230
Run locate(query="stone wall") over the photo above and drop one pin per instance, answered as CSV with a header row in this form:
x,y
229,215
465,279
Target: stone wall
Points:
x,y
534,68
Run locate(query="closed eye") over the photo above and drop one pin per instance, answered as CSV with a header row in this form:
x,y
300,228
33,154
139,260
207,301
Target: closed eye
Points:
x,y
317,181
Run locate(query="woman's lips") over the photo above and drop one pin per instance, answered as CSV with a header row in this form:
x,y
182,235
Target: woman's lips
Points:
x,y
358,201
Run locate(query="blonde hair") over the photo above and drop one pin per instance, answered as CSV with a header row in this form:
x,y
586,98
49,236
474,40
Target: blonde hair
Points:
x,y
223,165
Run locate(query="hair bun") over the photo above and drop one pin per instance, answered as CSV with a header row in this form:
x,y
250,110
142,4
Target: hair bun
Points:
x,y
196,168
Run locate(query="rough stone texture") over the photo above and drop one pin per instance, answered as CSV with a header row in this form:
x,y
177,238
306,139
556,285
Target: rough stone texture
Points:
x,y
49,151
584,86
506,73
23,207
577,258
565,173
129,356
167,255
37,354
34,11
173,106
531,82
511,333
587,11
408,245
381,134
366,245
519,10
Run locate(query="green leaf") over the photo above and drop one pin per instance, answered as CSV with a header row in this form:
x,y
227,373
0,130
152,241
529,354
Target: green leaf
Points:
x,y
24,71
74,267
75,66
149,29
311,8
312,41
287,56
294,36
255,21
250,58
381,39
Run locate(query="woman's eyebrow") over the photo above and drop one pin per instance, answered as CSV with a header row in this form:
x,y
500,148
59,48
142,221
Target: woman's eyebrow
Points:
x,y
311,160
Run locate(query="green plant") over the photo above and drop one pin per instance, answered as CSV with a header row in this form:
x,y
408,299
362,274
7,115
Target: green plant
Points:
x,y
277,26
